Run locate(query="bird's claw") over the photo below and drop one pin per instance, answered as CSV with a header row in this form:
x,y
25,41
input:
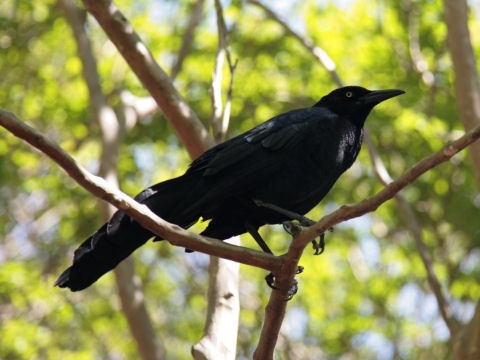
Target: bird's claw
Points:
x,y
291,227
306,222
319,246
270,280
292,291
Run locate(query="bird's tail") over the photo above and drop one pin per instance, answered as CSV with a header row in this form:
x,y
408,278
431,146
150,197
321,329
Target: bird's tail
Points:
x,y
120,236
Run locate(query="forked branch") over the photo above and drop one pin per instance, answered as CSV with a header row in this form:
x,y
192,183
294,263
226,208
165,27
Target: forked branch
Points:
x,y
275,311
284,267
100,188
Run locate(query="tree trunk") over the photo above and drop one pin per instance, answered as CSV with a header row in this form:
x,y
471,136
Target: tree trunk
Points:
x,y
129,288
467,87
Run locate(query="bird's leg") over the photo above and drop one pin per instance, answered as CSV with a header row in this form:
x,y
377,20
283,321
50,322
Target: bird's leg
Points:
x,y
270,278
254,232
318,246
303,220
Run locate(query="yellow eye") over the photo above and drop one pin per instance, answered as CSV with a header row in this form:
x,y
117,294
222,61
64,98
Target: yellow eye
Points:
x,y
349,94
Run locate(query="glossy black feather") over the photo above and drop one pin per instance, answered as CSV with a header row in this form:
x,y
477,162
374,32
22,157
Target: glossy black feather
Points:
x,y
291,160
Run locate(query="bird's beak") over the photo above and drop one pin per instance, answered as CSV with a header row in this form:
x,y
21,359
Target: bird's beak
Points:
x,y
377,96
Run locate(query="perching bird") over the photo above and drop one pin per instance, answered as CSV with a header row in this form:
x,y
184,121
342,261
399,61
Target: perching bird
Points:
x,y
290,161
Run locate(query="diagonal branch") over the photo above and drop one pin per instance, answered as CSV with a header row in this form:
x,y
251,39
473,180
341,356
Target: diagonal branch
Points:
x,y
284,267
411,220
420,65
382,174
220,116
195,17
182,118
130,288
320,54
98,187
467,84
219,340
347,212
275,311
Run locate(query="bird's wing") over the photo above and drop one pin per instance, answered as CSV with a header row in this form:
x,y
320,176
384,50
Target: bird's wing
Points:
x,y
265,142
250,160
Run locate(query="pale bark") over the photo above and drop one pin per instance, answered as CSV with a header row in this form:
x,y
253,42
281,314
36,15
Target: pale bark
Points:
x,y
129,286
406,212
183,119
467,86
284,267
98,187
219,340
275,310
221,114
187,126
466,343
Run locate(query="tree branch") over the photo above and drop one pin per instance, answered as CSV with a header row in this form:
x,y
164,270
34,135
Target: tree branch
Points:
x,y
307,43
284,267
98,187
379,168
195,17
420,65
220,116
467,86
467,89
347,212
219,340
130,289
275,311
411,220
182,118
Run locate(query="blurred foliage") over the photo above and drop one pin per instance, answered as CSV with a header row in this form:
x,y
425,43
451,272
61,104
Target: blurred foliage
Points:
x,y
365,298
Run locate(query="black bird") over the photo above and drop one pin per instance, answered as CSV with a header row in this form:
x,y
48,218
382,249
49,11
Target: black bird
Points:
x,y
290,161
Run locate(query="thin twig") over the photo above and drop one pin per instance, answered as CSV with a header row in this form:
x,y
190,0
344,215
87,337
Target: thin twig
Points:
x,y
308,43
420,65
219,338
220,116
409,217
130,290
228,102
195,17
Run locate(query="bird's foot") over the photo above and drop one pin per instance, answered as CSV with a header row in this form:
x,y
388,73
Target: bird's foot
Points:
x,y
291,227
292,291
270,279
319,246
303,220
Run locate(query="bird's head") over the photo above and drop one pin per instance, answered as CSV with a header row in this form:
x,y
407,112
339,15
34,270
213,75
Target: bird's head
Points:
x,y
355,102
